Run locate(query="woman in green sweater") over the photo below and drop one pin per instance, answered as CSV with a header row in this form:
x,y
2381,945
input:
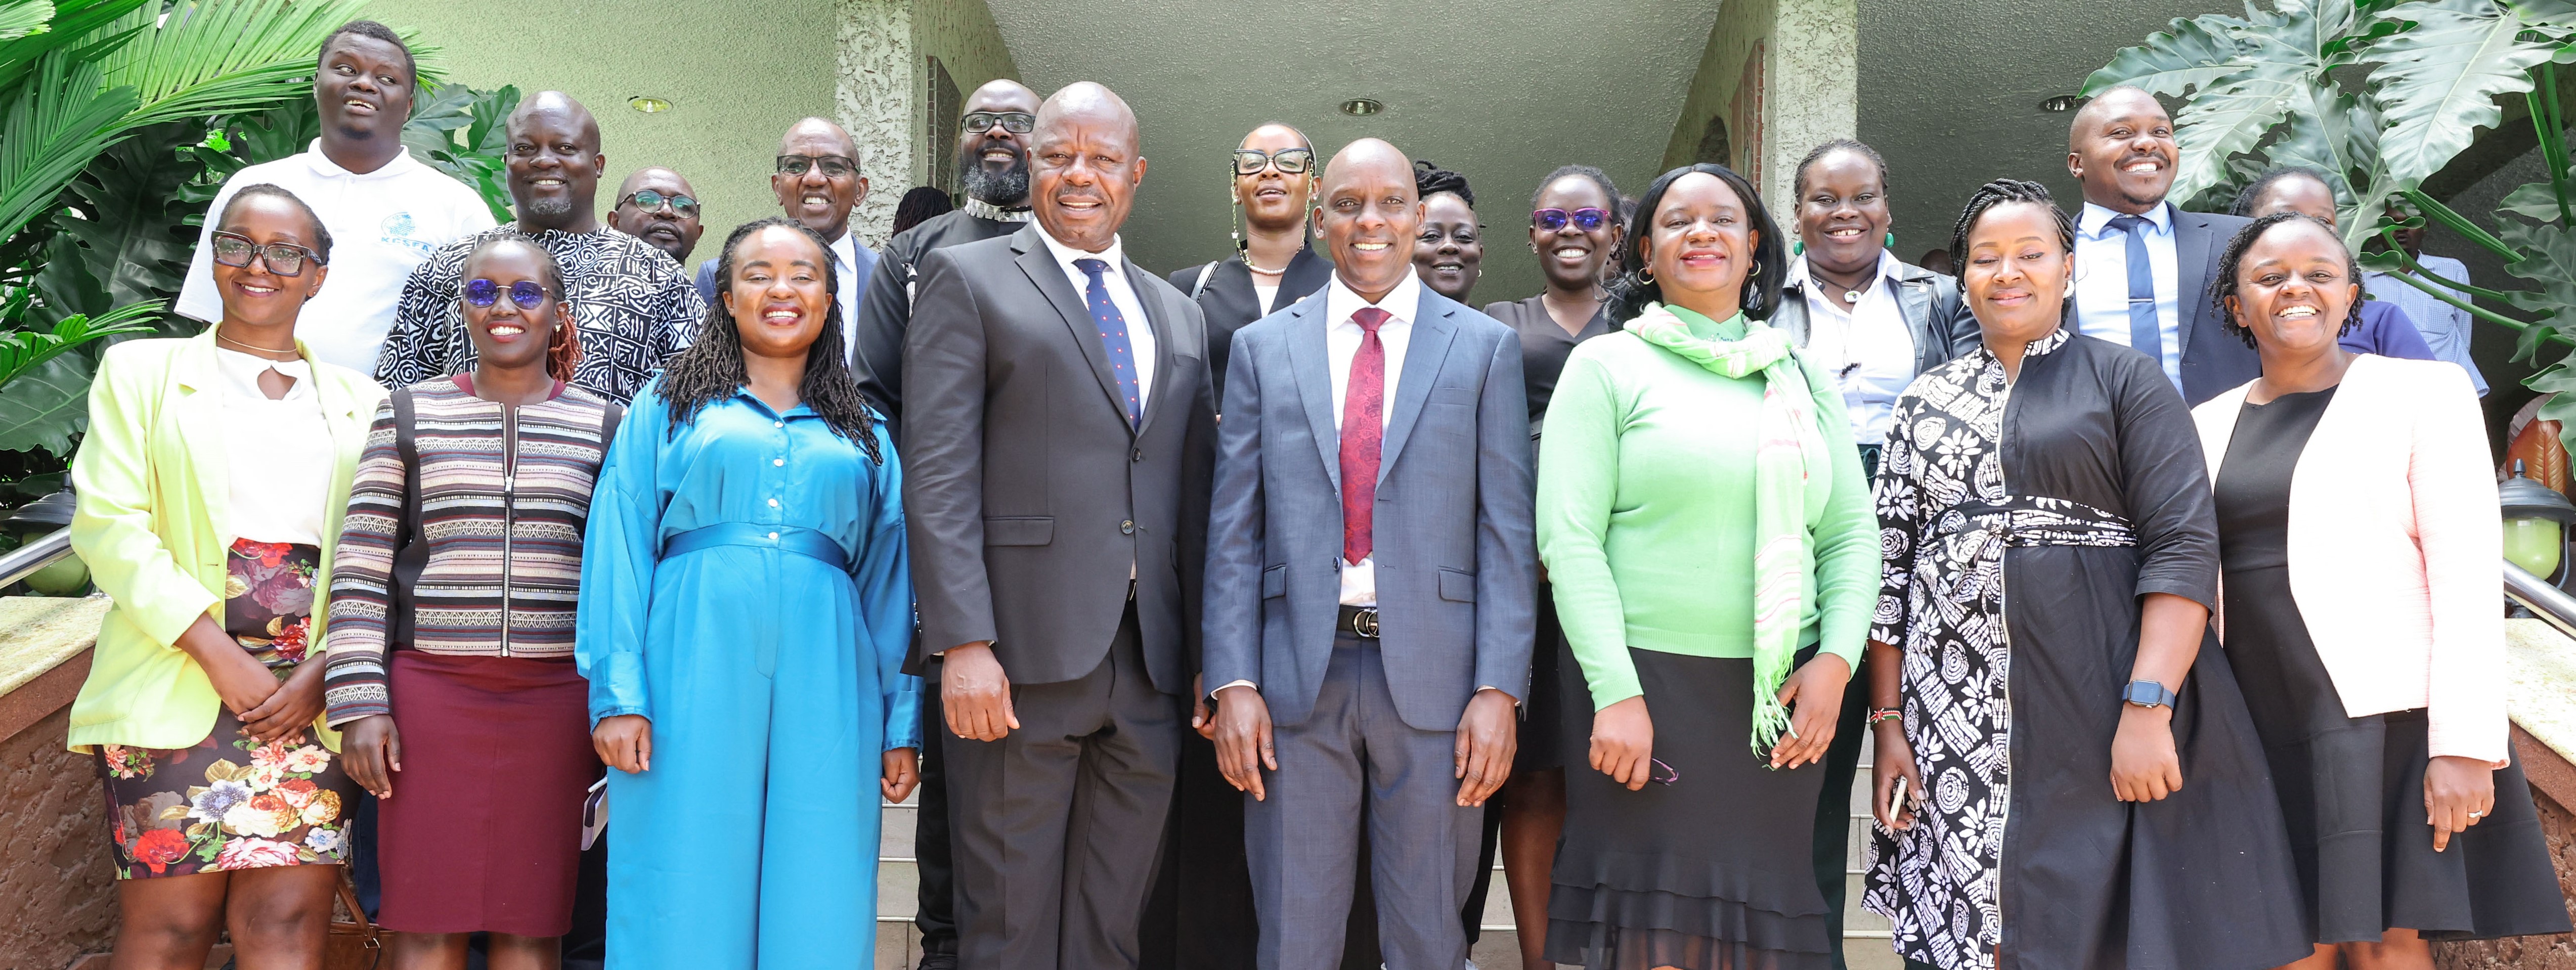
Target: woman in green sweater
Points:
x,y
1708,534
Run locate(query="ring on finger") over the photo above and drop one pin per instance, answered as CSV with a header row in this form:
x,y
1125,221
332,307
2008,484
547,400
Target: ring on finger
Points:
x,y
2477,814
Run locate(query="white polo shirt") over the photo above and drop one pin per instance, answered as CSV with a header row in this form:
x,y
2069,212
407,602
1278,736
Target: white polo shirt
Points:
x,y
382,224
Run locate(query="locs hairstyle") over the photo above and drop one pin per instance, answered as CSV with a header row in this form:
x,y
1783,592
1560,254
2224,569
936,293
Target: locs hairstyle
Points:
x,y
1630,293
321,234
2000,192
1429,178
563,346
712,370
2224,284
1798,182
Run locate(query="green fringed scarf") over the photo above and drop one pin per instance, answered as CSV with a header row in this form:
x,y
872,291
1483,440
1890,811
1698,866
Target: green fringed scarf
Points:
x,y
1792,475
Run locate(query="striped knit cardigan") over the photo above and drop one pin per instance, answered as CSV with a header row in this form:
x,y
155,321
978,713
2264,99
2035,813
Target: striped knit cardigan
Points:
x,y
502,537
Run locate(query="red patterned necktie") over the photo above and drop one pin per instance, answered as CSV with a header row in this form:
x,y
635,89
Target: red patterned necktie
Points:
x,y
1363,426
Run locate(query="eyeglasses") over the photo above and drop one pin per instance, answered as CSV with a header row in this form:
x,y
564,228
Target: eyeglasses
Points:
x,y
284,259
833,166
649,200
1291,161
1015,122
1586,219
526,293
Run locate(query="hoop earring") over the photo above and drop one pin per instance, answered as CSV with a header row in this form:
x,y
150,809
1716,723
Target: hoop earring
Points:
x,y
1646,275
1756,274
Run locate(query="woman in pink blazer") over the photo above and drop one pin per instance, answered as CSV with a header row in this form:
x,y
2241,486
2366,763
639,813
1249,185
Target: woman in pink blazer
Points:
x,y
2358,551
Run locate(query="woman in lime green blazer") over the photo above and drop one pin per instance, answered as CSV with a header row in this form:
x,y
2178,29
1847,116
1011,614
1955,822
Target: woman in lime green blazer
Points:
x,y
212,482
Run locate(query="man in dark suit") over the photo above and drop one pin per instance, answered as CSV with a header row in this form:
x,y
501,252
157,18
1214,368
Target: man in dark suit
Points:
x,y
1370,570
2143,266
1056,513
993,164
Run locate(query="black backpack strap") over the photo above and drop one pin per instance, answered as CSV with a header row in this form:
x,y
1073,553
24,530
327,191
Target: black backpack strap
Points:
x,y
411,556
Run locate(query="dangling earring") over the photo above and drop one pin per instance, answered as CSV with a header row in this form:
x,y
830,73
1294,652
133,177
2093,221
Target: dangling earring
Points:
x,y
1798,248
1891,239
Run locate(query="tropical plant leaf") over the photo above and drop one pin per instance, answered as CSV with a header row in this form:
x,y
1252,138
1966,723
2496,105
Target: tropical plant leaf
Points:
x,y
2232,115
2193,53
2536,200
52,129
206,57
2546,14
24,350
481,117
2438,82
73,27
131,218
20,18
44,407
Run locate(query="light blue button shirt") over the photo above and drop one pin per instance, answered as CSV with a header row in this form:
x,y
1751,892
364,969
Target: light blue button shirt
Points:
x,y
2445,327
2102,281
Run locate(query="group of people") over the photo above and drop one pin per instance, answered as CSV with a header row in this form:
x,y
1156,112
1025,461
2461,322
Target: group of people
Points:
x,y
1240,617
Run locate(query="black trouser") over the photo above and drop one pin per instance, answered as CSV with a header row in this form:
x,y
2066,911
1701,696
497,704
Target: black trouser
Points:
x,y
1833,808
937,917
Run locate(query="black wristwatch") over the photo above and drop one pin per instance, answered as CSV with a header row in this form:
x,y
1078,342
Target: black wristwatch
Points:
x,y
2147,693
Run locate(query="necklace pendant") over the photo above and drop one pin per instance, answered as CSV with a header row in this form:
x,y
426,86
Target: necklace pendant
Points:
x,y
1851,296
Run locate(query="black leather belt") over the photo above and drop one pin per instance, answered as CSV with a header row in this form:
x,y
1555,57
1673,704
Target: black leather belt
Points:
x,y
1360,621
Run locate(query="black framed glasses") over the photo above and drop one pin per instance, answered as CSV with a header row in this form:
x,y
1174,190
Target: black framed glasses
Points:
x,y
526,293
1015,122
1587,219
1291,161
284,259
833,166
649,200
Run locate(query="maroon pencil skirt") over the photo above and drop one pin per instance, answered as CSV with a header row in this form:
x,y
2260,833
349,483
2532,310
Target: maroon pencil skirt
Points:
x,y
484,830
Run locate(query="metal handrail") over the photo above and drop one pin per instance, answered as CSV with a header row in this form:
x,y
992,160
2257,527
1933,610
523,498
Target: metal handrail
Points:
x,y
38,553
2551,604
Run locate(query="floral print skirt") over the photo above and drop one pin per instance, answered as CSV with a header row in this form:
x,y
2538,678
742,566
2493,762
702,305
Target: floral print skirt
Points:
x,y
230,802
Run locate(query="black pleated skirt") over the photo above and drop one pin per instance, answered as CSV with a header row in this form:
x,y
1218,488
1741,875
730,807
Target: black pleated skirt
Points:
x,y
2352,795
1712,872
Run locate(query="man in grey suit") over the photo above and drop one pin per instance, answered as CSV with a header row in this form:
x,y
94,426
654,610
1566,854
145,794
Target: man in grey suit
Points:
x,y
1055,490
2142,265
1369,584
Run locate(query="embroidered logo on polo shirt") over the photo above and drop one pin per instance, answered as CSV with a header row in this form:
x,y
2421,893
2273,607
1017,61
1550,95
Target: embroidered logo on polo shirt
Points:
x,y
400,230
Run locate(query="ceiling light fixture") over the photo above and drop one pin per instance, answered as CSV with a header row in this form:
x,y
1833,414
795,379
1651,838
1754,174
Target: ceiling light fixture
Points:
x,y
2063,103
648,104
1362,107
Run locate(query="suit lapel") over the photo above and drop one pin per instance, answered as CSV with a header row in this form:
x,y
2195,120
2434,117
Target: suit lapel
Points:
x,y
1310,363
2191,264
1306,274
1048,276
1432,330
1158,318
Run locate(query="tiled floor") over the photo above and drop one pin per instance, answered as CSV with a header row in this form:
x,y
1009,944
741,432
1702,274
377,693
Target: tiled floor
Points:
x,y
1865,946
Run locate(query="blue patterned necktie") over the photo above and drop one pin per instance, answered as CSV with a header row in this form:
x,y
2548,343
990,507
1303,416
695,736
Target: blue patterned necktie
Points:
x,y
1113,333
2146,333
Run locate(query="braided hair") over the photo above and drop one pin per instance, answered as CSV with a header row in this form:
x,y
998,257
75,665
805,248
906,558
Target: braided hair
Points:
x,y
2254,190
2005,192
711,370
1429,178
563,344
1636,287
1798,182
1599,178
2223,286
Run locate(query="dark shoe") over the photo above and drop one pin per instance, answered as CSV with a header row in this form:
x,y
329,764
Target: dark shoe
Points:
x,y
938,961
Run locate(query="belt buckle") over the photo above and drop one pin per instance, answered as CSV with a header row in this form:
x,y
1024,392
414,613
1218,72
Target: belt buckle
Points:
x,y
1364,621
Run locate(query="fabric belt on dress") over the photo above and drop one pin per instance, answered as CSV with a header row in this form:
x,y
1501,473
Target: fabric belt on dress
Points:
x,y
1986,529
806,542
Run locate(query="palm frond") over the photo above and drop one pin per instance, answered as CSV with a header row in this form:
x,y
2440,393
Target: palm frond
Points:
x,y
24,350
73,26
204,58
19,18
51,130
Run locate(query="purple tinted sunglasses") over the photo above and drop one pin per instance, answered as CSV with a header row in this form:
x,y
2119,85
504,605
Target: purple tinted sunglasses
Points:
x,y
1587,219
526,293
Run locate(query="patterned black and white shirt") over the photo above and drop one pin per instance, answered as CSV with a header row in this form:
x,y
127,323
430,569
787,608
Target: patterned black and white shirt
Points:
x,y
635,308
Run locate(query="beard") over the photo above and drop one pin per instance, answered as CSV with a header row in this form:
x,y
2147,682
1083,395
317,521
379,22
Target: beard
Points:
x,y
550,208
999,188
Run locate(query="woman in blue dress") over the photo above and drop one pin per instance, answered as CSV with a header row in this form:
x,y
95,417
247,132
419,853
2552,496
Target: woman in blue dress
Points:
x,y
745,607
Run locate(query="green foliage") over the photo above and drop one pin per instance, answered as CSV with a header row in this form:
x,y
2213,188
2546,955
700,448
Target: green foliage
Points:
x,y
459,131
24,350
47,405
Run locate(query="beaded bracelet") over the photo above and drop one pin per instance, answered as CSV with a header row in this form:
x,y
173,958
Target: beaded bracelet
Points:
x,y
1878,714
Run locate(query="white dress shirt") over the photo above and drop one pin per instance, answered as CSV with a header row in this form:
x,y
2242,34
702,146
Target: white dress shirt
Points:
x,y
2445,327
1868,350
845,263
1341,345
2102,281
1140,331
278,453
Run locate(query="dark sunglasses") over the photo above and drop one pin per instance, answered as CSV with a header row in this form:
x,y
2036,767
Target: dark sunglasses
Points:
x,y
1586,219
1291,161
648,200
526,293
833,166
284,259
1015,122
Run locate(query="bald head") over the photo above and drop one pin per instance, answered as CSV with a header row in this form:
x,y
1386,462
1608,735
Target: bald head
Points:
x,y
2121,146
819,177
993,160
1084,165
555,163
1002,94
1369,212
670,222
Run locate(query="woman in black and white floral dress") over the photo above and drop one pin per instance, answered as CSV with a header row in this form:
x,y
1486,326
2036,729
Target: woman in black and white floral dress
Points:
x,y
2049,541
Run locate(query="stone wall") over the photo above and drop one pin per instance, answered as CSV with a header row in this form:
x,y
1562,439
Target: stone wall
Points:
x,y
882,87
57,884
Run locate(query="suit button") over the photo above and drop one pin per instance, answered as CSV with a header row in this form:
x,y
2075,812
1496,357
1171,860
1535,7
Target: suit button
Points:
x,y
1139,455
1127,527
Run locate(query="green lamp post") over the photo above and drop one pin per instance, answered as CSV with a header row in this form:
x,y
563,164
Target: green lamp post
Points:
x,y
65,577
2535,519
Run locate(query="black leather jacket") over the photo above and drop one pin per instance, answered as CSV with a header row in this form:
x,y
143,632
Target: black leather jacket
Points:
x,y
1935,314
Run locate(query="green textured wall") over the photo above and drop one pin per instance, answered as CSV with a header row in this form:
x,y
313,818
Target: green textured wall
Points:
x,y
736,73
